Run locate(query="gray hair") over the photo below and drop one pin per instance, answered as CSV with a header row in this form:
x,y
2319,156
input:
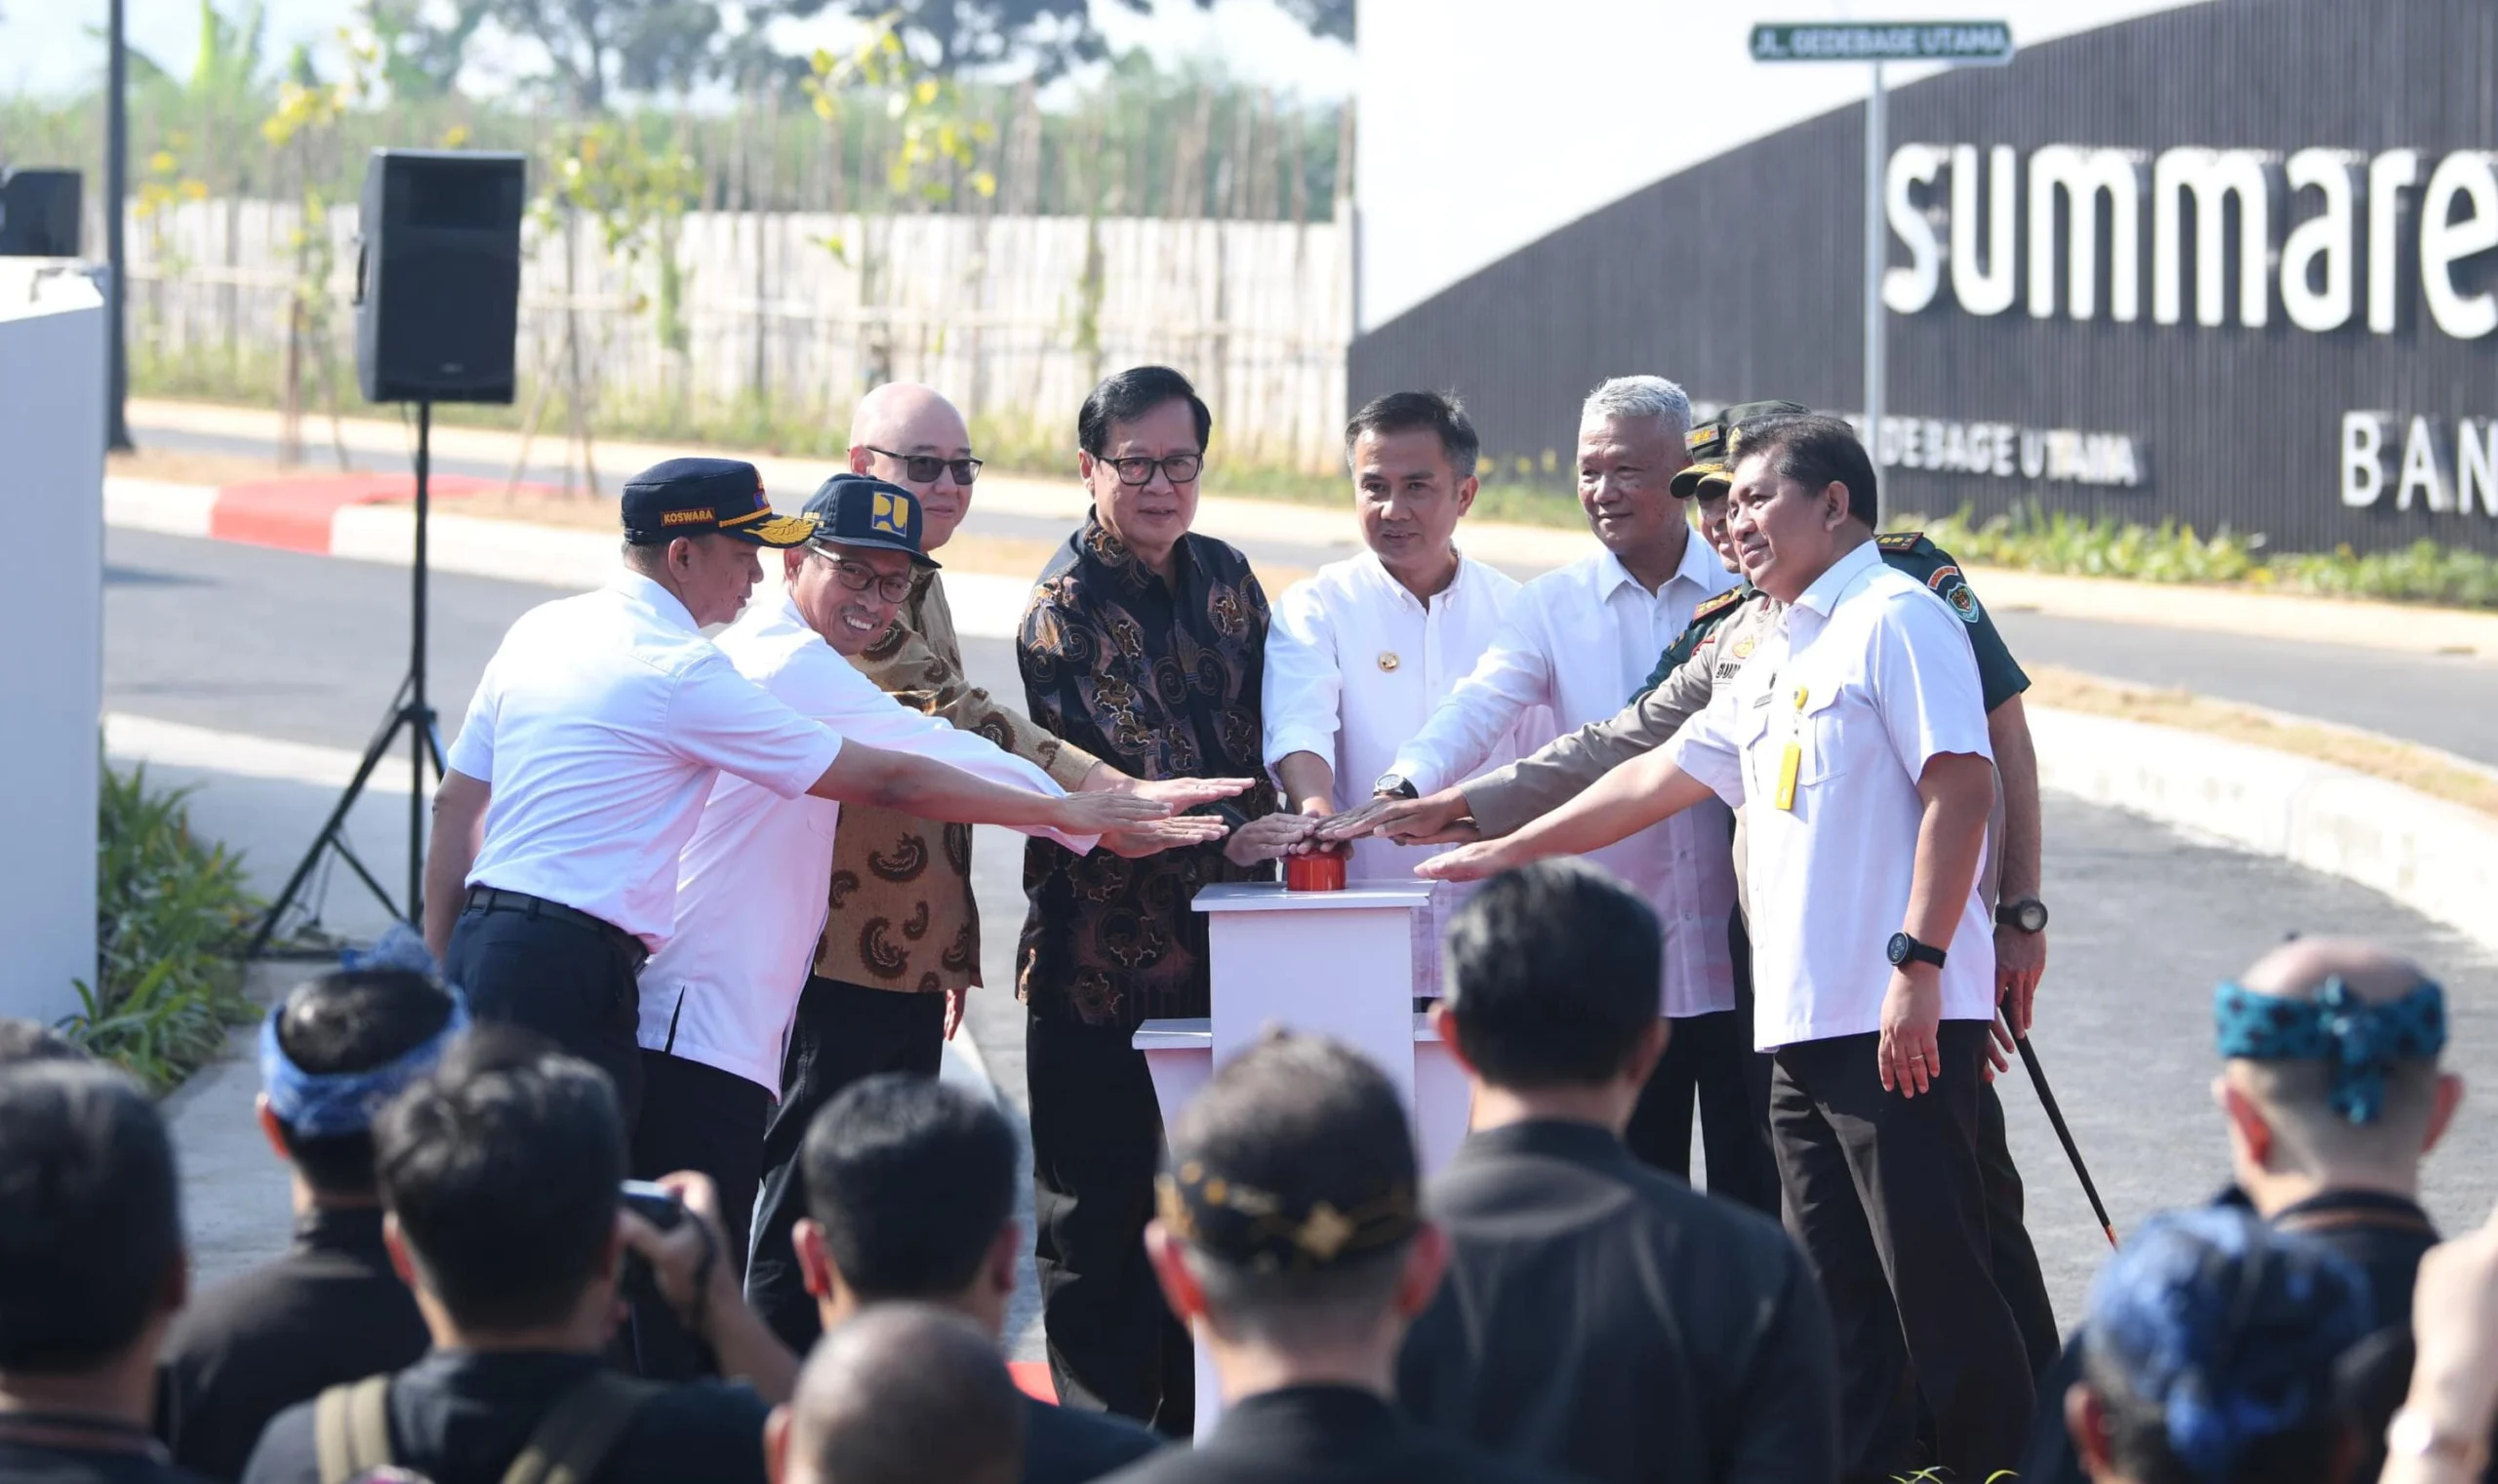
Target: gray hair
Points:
x,y
1625,397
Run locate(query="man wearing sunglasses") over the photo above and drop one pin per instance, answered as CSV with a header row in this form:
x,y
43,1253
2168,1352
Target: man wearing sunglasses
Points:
x,y
901,946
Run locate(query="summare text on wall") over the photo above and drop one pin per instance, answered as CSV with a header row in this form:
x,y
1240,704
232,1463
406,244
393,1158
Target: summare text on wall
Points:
x,y
2331,236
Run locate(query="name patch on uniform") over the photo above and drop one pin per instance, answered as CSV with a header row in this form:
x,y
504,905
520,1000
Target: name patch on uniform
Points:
x,y
689,517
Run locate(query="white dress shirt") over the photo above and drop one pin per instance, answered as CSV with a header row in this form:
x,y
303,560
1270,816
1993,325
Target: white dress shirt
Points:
x,y
1581,641
1354,663
751,884
1869,677
599,725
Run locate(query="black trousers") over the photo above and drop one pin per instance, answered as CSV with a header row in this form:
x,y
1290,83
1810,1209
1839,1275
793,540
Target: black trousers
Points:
x,y
1712,1057
1884,1194
568,981
843,1034
1096,1145
2016,1260
698,1117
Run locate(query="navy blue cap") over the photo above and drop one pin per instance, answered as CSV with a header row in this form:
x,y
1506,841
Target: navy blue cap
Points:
x,y
697,497
856,510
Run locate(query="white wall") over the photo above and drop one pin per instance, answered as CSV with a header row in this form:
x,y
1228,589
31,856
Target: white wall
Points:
x,y
1485,124
52,474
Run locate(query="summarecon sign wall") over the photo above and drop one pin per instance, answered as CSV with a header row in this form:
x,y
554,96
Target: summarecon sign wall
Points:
x,y
2235,263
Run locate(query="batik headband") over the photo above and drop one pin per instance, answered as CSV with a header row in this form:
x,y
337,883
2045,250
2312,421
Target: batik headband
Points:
x,y
2361,1040
1266,1233
329,1104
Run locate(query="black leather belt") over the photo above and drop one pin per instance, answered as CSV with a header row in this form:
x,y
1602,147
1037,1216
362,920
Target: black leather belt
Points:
x,y
489,899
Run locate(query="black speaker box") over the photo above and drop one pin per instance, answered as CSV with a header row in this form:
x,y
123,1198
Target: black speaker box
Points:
x,y
438,275
39,214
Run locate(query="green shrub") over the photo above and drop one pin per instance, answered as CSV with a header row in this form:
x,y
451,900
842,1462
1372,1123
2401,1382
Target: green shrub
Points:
x,y
171,919
2038,541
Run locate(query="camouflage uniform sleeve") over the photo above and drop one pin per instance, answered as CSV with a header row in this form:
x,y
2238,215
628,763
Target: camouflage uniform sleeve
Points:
x,y
1999,676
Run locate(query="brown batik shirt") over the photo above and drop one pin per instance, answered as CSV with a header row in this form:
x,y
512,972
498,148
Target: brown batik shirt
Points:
x,y
903,916
1162,681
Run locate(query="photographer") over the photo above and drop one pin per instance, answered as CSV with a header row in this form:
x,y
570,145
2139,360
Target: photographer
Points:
x,y
500,1177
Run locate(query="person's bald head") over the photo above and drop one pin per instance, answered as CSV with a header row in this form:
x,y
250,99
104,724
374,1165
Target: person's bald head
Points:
x,y
905,1393
2302,1130
901,421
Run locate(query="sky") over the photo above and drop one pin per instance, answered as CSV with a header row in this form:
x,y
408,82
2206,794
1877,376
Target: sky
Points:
x,y
45,45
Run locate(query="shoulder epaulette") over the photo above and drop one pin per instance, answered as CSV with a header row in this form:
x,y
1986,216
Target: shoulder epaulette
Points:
x,y
1900,541
1720,603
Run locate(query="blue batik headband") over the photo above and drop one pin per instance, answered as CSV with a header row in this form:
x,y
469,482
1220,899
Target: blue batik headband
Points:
x,y
2361,1040
329,1104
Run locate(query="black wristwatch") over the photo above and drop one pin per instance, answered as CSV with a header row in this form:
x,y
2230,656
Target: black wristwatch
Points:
x,y
1396,785
1905,951
2028,914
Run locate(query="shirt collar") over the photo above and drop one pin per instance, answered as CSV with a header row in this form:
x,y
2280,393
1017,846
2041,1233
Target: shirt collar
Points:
x,y
641,589
355,1229
1387,579
1823,594
1697,567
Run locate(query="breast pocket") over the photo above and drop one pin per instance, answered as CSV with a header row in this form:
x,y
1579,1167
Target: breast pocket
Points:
x,y
1826,730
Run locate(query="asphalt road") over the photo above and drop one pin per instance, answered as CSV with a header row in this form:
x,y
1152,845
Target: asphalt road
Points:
x,y
308,649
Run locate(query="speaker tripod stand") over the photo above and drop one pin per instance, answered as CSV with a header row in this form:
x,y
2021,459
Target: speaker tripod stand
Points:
x,y
410,710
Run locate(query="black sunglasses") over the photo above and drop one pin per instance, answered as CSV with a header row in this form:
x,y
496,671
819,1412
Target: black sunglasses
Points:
x,y
923,468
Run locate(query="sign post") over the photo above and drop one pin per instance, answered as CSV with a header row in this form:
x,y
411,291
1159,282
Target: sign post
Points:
x,y
1979,43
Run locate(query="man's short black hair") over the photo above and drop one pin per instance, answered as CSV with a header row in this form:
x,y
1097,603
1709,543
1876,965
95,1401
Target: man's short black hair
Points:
x,y
354,1020
1553,975
1409,411
26,1041
908,1393
1310,1122
90,1216
1130,395
504,1169
911,1181
1815,449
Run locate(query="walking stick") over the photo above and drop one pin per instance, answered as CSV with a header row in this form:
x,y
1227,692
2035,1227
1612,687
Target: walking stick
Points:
x,y
2056,1118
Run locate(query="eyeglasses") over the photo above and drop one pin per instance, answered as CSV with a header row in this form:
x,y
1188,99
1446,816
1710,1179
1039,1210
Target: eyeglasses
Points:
x,y
923,468
859,577
1179,468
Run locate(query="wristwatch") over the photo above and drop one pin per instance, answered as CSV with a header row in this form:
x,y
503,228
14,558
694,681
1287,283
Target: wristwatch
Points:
x,y
2026,915
1396,785
1905,951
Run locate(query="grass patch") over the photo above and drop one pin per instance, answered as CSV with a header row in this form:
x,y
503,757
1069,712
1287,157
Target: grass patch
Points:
x,y
2421,769
2060,542
172,915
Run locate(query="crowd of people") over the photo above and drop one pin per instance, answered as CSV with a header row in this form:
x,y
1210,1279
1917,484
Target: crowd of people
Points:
x,y
641,1167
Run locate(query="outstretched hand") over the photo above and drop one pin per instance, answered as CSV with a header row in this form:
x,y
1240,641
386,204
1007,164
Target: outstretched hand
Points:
x,y
1175,832
1436,818
1097,812
1267,837
1466,863
1185,792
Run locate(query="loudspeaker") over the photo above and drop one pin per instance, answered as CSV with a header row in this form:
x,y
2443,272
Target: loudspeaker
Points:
x,y
438,275
39,214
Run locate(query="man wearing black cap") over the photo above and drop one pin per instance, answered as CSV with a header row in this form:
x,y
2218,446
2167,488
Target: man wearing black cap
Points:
x,y
1291,1234
716,1000
593,739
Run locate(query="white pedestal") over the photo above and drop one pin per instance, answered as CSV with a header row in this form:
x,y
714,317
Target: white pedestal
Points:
x,y
52,422
1340,964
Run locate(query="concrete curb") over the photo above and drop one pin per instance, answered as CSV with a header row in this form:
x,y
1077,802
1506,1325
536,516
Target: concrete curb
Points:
x,y
2438,859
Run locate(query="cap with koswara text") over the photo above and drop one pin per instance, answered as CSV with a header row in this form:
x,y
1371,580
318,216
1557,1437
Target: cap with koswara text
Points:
x,y
1712,446
856,510
697,497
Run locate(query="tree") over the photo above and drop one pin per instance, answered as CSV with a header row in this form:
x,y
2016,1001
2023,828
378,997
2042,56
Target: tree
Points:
x,y
596,45
419,58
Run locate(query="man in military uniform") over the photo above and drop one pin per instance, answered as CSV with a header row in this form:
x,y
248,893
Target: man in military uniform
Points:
x,y
1712,650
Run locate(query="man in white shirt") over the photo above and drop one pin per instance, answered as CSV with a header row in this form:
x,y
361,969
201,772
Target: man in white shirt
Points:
x,y
587,752
1359,652
717,1000
1582,641
1856,740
